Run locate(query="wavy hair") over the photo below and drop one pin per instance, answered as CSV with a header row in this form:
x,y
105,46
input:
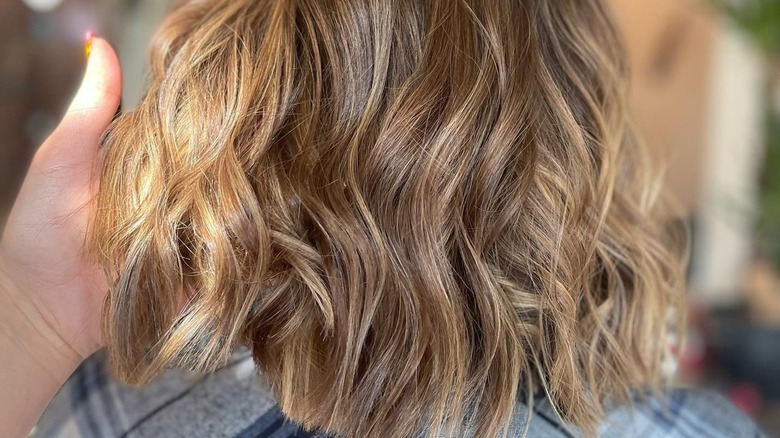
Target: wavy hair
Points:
x,y
414,213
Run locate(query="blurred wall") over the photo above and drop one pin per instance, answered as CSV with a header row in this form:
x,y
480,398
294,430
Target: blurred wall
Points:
x,y
670,45
141,20
697,99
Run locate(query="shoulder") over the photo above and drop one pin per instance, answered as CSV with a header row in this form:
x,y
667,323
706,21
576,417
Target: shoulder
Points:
x,y
676,413
231,402
682,413
235,402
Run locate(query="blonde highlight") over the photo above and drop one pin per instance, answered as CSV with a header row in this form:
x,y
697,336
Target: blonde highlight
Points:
x,y
412,212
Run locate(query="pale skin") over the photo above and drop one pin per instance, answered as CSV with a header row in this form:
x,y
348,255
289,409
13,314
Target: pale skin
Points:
x,y
51,294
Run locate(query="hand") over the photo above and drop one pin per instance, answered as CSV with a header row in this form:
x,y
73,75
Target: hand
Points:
x,y
54,292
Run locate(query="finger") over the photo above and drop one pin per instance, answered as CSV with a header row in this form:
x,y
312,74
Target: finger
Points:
x,y
77,138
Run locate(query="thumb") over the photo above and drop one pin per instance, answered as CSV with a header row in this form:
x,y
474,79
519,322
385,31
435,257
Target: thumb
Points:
x,y
77,138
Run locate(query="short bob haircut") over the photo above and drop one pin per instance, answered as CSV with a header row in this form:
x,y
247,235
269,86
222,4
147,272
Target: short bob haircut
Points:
x,y
414,213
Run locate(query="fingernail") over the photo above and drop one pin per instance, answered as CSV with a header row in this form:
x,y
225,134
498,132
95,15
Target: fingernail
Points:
x,y
88,44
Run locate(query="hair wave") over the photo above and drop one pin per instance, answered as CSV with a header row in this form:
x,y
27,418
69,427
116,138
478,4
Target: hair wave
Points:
x,y
410,211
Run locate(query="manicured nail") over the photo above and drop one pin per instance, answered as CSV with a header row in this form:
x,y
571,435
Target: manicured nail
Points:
x,y
88,44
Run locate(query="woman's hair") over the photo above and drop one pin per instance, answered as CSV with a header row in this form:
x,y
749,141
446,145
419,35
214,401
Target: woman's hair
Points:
x,y
414,213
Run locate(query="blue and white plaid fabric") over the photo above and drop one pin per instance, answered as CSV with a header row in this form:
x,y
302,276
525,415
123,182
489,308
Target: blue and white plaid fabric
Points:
x,y
234,402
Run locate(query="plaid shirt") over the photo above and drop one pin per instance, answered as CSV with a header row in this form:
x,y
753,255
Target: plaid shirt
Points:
x,y
234,402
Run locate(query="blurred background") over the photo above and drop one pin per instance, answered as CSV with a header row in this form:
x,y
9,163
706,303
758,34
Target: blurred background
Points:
x,y
706,96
